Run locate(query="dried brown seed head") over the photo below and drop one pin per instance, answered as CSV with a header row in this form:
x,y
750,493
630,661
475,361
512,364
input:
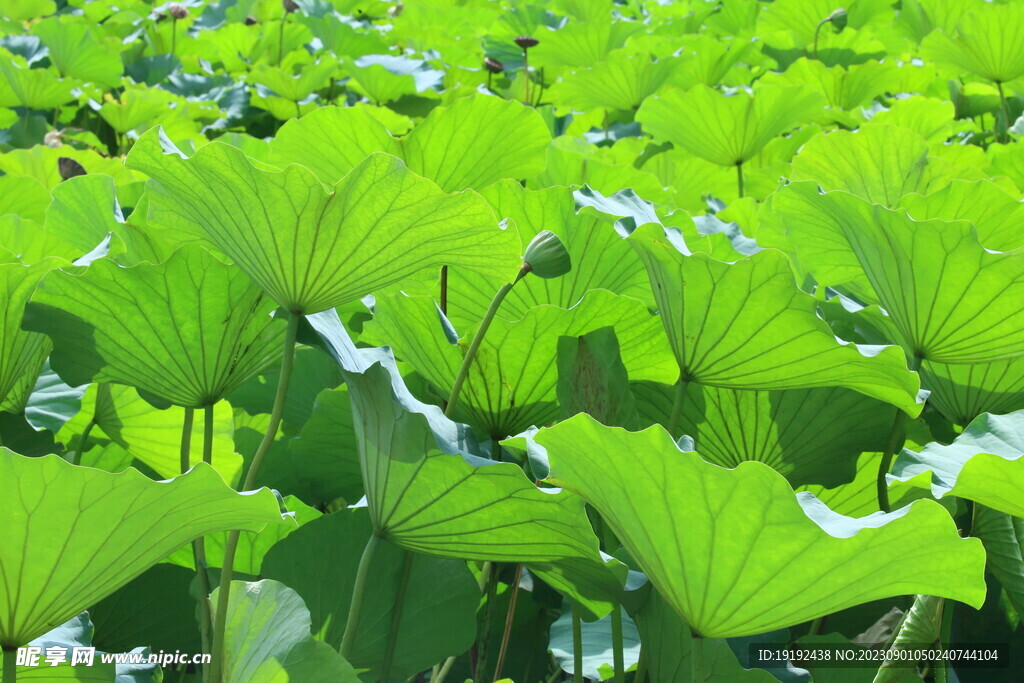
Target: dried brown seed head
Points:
x,y
176,10
525,42
493,65
69,168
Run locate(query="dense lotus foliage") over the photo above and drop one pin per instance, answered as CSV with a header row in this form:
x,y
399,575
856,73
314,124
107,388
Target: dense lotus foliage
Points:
x,y
478,340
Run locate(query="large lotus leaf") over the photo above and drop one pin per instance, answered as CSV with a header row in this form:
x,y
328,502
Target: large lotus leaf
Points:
x,y
745,325
188,330
600,259
807,435
468,144
710,58
76,51
151,436
987,42
77,534
995,213
21,86
24,196
727,129
42,163
582,43
735,551
312,250
963,392
984,464
879,163
22,353
844,89
26,242
267,638
621,82
932,118
84,210
1003,536
598,646
961,308
440,591
571,161
512,382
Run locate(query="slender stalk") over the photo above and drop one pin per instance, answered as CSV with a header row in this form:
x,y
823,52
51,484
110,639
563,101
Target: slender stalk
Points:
x,y
10,665
443,672
618,657
945,634
75,456
174,35
444,270
489,75
485,633
677,407
460,378
577,646
817,30
641,667
526,72
540,90
396,618
697,659
280,40
816,626
186,440
231,546
298,110
896,436
503,650
355,609
1005,136
199,545
739,178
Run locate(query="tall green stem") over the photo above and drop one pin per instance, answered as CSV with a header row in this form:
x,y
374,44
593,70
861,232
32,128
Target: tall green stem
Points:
x,y
509,617
199,545
10,665
480,675
618,656
231,546
444,278
577,646
355,608
396,618
280,40
896,436
174,35
677,408
697,659
817,30
945,634
526,71
1005,136
460,378
76,456
739,179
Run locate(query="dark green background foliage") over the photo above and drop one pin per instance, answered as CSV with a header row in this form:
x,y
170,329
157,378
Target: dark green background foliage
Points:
x,y
363,340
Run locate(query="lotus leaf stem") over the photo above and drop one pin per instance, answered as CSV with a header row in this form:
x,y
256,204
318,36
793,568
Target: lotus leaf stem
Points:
x,y
677,408
199,545
1003,136
396,618
618,656
280,40
739,178
491,583
443,671
896,437
945,633
355,609
577,646
10,665
444,271
509,617
697,659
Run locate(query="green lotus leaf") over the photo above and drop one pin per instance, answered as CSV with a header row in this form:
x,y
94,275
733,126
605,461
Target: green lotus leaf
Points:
x,y
77,534
709,59
21,10
931,118
727,129
429,493
77,52
983,464
987,42
994,212
1003,536
621,82
43,164
877,254
282,83
311,250
22,353
572,161
598,645
807,435
878,163
921,624
963,392
467,144
844,89
24,196
21,86
150,436
84,210
26,242
440,592
600,258
267,638
745,325
751,556
512,383
592,379
136,108
188,330
582,43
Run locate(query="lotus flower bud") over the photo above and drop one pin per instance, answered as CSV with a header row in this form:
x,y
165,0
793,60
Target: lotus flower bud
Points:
x,y
290,6
69,168
493,65
176,10
525,42
546,256
838,18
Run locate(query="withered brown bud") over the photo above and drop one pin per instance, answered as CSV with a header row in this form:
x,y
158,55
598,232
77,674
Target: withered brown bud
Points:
x,y
250,20
493,65
52,139
290,6
177,11
525,42
69,168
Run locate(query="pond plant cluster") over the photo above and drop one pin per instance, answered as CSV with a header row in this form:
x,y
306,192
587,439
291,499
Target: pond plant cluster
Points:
x,y
477,340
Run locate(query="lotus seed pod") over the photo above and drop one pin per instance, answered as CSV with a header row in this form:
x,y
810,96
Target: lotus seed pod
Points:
x,y
69,168
493,65
546,256
52,139
177,10
396,10
289,6
525,42
838,18
250,21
